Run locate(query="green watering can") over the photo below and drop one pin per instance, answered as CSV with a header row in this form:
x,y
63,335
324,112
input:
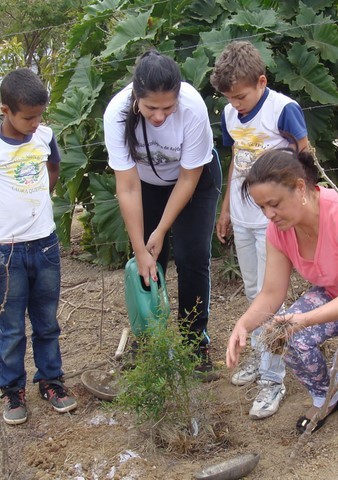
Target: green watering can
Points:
x,y
145,305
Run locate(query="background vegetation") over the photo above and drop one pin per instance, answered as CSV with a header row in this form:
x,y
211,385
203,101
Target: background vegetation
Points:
x,y
94,57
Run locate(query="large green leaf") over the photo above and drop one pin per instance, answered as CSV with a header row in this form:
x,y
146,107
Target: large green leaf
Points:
x,y
74,184
205,10
107,217
63,212
318,31
132,29
73,156
317,120
86,33
85,76
216,40
301,70
102,7
263,19
74,110
195,69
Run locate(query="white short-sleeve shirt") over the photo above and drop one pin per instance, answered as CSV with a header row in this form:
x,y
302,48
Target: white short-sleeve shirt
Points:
x,y
184,139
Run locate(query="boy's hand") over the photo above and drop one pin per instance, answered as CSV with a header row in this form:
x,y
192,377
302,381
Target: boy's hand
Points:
x,y
223,226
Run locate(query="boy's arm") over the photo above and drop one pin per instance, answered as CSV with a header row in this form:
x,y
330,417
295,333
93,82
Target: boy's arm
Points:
x,y
303,144
291,123
53,173
53,164
223,223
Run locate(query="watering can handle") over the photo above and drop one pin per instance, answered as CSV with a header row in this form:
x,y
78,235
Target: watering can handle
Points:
x,y
154,293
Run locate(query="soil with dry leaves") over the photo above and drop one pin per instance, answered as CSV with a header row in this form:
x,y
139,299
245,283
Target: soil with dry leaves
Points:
x,y
99,442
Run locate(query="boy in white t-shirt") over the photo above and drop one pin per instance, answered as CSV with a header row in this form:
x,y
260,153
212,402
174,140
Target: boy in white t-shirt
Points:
x,y
255,119
29,248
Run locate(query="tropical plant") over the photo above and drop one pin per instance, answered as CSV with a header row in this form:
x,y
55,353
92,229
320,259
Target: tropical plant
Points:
x,y
298,41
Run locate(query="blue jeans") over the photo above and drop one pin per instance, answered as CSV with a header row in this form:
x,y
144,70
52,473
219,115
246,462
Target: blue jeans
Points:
x,y
29,280
191,234
250,246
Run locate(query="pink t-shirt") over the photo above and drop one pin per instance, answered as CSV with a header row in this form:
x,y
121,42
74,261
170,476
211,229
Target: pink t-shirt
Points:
x,y
323,269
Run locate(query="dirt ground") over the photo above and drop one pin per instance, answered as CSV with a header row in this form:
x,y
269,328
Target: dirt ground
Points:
x,y
97,443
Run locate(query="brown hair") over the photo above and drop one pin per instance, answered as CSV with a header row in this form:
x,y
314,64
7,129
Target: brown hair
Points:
x,y
284,167
239,61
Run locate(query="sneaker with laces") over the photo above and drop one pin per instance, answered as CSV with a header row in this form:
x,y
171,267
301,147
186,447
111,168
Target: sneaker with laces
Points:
x,y
247,374
205,364
268,399
15,411
56,394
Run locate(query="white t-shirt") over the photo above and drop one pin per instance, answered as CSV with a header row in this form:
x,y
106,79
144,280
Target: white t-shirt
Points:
x,y
25,206
260,130
184,139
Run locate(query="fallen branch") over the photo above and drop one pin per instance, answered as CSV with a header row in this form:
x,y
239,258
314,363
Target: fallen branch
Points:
x,y
74,288
85,369
97,309
236,292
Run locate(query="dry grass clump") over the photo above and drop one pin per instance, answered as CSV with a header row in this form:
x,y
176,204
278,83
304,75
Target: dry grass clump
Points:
x,y
274,335
199,436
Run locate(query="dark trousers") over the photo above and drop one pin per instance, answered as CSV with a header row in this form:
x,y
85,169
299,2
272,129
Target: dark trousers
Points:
x,y
191,234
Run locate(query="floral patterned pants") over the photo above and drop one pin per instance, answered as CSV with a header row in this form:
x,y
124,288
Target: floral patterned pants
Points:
x,y
303,355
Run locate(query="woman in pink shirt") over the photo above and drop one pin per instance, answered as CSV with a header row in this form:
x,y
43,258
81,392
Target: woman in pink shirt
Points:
x,y
302,234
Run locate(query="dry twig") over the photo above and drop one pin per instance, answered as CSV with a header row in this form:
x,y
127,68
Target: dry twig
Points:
x,y
321,170
274,336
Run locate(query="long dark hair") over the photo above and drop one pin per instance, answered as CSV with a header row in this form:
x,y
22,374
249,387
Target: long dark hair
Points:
x,y
154,72
284,167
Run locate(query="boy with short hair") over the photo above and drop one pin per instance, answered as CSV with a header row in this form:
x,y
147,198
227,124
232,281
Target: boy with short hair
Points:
x,y
255,119
29,249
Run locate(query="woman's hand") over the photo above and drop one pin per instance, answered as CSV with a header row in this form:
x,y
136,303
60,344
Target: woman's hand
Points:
x,y
146,266
237,343
294,321
155,243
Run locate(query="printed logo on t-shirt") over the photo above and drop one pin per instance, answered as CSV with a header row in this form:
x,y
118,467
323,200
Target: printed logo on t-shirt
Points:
x,y
249,144
26,173
160,155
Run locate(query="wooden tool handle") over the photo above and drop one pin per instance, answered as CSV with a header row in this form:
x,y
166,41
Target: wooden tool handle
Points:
x,y
123,343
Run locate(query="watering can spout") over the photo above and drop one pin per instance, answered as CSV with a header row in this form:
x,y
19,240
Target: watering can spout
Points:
x,y
145,305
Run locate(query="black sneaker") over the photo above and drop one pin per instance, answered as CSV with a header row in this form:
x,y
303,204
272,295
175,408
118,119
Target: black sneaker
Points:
x,y
205,370
57,395
15,411
205,364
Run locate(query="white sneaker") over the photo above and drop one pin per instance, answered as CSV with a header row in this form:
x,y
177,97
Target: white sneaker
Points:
x,y
247,374
268,399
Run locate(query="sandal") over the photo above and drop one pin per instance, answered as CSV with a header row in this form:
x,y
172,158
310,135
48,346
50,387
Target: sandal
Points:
x,y
303,422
